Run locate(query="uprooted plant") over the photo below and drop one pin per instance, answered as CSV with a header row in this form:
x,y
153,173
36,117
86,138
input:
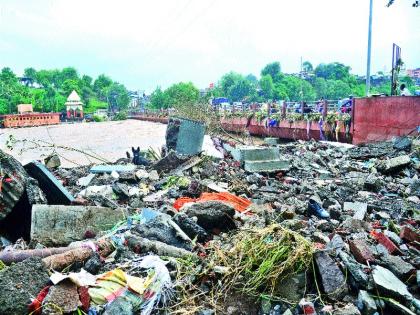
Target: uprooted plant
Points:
x,y
254,265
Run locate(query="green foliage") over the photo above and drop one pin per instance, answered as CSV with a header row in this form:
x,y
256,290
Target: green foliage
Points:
x,y
307,66
182,94
159,99
120,116
273,69
333,71
55,86
267,87
94,104
97,118
117,96
240,90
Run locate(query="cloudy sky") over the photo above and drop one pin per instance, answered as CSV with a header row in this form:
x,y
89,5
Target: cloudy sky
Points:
x,y
159,42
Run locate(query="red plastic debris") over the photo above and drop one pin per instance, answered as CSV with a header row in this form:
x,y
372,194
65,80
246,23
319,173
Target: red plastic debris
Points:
x,y
35,307
240,204
385,241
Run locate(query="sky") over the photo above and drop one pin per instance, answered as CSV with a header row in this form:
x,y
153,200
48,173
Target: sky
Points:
x,y
145,44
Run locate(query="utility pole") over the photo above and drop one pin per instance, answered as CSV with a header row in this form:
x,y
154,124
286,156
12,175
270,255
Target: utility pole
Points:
x,y
369,49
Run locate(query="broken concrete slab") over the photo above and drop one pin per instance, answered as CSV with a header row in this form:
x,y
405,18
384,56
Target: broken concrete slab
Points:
x,y
332,278
20,283
211,214
358,208
389,284
100,169
271,141
267,166
54,191
52,161
398,266
394,164
61,225
254,153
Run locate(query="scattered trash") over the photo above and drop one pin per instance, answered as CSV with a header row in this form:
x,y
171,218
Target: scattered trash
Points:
x,y
334,230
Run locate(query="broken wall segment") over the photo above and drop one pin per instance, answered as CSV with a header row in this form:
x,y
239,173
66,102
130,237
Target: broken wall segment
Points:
x,y
60,225
185,136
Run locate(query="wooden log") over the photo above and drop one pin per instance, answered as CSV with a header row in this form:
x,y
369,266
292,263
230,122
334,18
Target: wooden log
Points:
x,y
143,245
16,256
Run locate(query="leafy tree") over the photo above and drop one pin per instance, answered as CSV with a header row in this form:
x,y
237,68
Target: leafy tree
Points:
x,y
338,89
298,89
69,73
307,67
273,69
280,91
267,87
252,78
229,80
159,99
333,71
100,86
117,96
87,80
69,85
7,76
30,75
240,90
182,94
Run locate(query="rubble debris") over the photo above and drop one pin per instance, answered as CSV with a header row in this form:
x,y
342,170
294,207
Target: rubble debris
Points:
x,y
12,183
52,161
394,164
389,284
60,225
19,283
108,169
332,278
366,303
62,298
144,245
227,232
54,191
211,214
403,144
15,256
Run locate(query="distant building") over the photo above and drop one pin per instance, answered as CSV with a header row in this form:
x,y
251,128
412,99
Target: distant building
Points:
x,y
25,108
74,106
414,73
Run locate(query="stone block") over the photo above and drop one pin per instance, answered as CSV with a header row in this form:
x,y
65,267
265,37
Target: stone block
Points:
x,y
266,166
54,225
332,278
252,153
409,233
358,208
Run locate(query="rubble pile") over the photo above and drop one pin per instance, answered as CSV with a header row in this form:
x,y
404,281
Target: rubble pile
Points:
x,y
321,228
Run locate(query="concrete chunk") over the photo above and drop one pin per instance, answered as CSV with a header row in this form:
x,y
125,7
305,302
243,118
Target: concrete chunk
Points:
x,y
332,278
61,225
359,209
394,164
54,191
389,284
252,153
266,166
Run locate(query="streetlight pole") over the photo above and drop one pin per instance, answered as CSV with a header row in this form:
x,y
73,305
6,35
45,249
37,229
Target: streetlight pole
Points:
x,y
369,49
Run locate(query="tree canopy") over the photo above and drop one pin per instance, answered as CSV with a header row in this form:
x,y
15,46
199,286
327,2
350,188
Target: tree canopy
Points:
x,y
47,90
